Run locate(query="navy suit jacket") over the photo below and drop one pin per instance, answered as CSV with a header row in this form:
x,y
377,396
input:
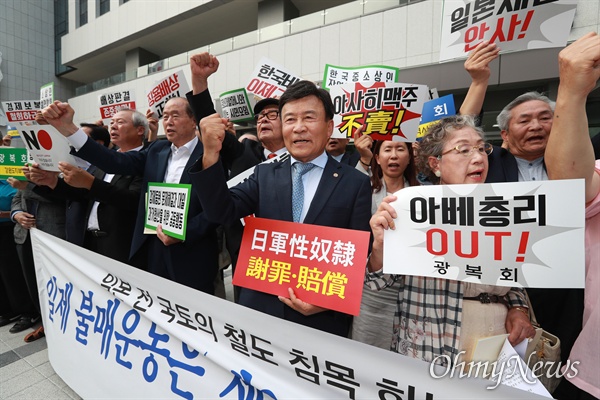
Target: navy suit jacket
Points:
x,y
200,245
502,166
342,200
350,159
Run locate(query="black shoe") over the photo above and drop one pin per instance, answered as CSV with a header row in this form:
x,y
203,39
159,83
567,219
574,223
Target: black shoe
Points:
x,y
8,319
23,323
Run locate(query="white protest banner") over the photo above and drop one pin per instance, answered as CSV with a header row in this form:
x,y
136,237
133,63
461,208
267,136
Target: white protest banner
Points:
x,y
334,76
167,204
174,85
20,111
506,234
235,105
512,25
111,103
46,95
388,111
270,79
114,331
46,146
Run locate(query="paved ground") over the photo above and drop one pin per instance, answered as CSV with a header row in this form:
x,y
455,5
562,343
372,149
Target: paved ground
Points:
x,y
26,373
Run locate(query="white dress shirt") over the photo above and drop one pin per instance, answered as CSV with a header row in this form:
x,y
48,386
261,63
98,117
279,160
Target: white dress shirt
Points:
x,y
178,159
93,222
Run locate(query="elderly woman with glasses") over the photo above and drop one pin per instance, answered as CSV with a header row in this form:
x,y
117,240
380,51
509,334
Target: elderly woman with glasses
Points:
x,y
437,319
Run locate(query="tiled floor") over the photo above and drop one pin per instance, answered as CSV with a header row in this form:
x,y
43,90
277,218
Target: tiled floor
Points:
x,y
26,373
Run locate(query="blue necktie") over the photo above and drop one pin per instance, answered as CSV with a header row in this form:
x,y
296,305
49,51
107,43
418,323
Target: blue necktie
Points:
x,y
298,170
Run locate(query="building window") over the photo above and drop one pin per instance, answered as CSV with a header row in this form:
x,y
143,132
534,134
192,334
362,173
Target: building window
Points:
x,y
103,7
61,28
82,12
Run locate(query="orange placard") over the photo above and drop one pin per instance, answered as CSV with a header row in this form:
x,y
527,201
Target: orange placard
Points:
x,y
325,266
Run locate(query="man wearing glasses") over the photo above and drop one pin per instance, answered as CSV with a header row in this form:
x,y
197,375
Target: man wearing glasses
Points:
x,y
237,157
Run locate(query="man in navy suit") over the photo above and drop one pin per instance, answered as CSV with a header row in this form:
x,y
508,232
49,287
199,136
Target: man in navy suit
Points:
x,y
335,194
193,262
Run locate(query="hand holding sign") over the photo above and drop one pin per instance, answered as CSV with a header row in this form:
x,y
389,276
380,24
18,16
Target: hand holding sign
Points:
x,y
166,239
383,219
60,116
213,130
39,176
202,66
76,176
301,306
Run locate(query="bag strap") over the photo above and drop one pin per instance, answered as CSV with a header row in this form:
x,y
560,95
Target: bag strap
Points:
x,y
532,317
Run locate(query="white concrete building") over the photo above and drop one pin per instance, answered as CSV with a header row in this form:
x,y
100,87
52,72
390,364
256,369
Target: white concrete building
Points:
x,y
114,45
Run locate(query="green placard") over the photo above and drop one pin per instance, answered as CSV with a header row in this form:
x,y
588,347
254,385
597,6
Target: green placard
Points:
x,y
11,161
167,204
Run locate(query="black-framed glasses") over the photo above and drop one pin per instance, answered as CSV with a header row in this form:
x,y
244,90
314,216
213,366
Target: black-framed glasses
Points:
x,y
467,150
270,115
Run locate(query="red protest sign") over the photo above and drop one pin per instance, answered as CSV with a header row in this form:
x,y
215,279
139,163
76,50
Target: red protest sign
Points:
x,y
325,266
110,111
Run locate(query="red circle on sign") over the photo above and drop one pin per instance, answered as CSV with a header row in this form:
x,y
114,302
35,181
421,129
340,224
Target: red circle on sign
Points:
x,y
45,139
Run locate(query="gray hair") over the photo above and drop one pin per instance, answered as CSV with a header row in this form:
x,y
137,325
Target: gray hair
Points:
x,y
434,141
504,117
138,119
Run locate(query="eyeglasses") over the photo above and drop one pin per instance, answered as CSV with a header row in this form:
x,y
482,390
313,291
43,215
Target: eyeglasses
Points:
x,y
467,150
270,115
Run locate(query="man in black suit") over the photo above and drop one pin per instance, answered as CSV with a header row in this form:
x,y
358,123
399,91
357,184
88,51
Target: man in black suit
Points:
x,y
193,262
335,194
101,208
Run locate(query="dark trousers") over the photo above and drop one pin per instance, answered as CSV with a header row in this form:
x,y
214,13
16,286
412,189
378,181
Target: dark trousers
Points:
x,y
184,263
14,296
28,270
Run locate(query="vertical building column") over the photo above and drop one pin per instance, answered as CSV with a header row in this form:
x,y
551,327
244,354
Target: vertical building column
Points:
x,y
271,12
